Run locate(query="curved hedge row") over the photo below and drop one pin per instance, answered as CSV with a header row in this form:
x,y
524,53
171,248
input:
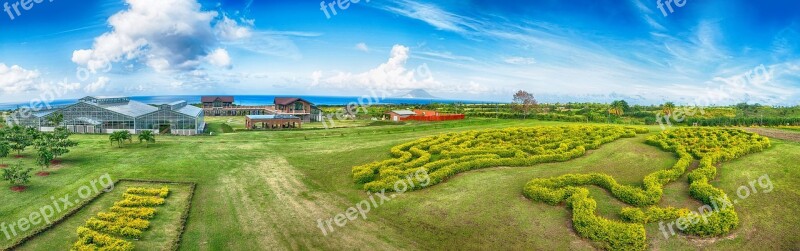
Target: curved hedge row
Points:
x,y
446,155
709,145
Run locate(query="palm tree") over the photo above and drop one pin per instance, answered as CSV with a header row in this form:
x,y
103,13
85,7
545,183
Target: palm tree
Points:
x,y
56,119
147,137
618,107
667,108
120,137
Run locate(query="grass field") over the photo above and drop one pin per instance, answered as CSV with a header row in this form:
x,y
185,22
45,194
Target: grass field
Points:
x,y
267,190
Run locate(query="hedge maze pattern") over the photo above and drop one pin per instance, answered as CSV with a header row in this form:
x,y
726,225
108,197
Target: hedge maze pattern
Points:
x,y
446,155
128,218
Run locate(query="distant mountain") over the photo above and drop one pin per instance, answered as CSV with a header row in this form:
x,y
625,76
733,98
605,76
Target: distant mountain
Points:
x,y
418,93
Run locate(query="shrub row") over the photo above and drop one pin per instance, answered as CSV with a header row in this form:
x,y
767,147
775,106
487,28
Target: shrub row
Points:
x,y
132,200
160,192
90,240
464,151
710,145
128,218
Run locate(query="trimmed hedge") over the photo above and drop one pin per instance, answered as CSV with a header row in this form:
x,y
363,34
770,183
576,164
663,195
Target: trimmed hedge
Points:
x,y
460,152
709,145
160,192
128,218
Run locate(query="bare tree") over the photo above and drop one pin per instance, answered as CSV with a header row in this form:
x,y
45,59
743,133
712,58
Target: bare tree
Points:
x,y
524,102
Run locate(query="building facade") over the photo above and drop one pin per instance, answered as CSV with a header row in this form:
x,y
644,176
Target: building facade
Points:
x,y
110,114
224,106
272,122
298,107
399,115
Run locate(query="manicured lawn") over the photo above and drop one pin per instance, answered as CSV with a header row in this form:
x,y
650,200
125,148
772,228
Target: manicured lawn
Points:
x,y
267,190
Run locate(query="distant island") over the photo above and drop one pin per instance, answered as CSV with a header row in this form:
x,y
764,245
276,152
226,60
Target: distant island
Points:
x,y
418,93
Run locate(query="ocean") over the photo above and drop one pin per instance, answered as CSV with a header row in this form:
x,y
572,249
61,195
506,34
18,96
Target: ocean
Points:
x,y
251,100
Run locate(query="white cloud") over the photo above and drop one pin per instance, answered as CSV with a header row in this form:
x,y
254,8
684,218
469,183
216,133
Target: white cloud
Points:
x,y
16,79
228,30
165,34
97,85
315,77
520,60
219,58
362,47
273,43
391,75
430,14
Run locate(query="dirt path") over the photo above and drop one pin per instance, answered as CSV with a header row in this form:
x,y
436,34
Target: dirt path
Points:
x,y
278,211
776,133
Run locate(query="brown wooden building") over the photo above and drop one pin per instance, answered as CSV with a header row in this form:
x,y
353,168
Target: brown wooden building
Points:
x,y
298,107
217,101
223,106
273,122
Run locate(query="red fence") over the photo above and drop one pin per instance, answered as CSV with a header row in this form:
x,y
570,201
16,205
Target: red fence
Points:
x,y
434,118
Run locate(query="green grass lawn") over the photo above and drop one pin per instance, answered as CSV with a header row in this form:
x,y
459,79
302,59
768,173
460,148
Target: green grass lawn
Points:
x,y
227,124
266,190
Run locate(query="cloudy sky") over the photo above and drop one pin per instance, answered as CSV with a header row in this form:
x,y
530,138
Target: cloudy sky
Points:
x,y
704,52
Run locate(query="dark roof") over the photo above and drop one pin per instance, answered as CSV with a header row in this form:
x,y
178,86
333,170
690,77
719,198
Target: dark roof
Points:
x,y
209,99
286,101
267,117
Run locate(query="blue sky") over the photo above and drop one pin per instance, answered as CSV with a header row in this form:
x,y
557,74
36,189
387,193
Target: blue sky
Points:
x,y
703,52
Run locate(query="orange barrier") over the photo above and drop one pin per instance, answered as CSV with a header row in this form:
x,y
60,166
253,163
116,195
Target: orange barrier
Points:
x,y
434,118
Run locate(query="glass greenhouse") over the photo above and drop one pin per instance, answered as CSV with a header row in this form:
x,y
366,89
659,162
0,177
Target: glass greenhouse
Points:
x,y
110,114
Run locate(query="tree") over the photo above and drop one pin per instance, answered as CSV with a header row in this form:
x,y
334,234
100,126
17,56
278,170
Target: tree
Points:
x,y
148,137
17,175
5,150
44,157
56,119
524,102
19,138
668,108
44,150
61,142
120,137
619,107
